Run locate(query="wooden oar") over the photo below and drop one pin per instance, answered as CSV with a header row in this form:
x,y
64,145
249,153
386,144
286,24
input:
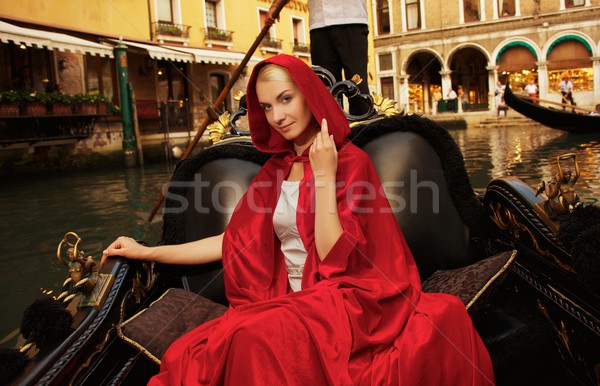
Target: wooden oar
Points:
x,y
560,104
212,116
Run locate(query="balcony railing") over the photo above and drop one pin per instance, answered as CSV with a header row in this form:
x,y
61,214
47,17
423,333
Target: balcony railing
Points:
x,y
271,43
301,48
162,28
212,33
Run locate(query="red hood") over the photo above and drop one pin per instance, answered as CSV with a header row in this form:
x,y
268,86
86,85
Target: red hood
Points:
x,y
317,96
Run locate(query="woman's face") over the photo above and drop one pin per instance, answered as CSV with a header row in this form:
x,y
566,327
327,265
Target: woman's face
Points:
x,y
286,110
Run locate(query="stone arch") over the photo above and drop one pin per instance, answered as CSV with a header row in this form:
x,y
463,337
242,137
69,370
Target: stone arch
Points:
x,y
578,36
468,73
423,67
570,53
460,47
521,67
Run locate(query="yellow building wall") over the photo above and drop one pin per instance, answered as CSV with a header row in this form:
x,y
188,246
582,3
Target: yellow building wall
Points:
x,y
128,18
132,19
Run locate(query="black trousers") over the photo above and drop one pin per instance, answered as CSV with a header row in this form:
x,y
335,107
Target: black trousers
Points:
x,y
342,48
567,96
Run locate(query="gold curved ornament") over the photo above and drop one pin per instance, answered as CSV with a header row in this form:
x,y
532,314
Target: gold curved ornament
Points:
x,y
238,95
72,253
218,128
143,281
507,221
385,106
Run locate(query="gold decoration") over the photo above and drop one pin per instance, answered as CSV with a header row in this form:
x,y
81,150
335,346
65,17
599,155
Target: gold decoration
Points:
x,y
238,95
356,79
218,128
507,221
385,106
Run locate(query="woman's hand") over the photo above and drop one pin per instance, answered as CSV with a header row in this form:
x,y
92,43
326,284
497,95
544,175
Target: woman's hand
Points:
x,y
323,161
126,247
323,154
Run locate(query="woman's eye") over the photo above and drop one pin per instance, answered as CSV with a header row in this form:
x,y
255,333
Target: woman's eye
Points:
x,y
266,107
286,99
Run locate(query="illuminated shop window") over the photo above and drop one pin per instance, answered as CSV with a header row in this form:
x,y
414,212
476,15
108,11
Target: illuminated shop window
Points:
x,y
519,79
415,96
582,78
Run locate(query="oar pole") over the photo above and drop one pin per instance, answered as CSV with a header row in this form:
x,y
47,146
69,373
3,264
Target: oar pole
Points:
x,y
560,104
212,116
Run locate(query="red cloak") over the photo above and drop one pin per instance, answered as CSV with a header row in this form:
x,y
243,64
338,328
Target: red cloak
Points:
x,y
360,318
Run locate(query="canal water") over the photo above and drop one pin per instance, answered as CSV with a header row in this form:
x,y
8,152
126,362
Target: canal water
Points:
x,y
101,205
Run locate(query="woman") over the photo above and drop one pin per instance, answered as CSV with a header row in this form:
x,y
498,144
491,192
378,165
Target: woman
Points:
x,y
322,286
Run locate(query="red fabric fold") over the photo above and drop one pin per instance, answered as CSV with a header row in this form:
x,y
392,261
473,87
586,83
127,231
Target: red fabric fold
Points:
x,y
360,318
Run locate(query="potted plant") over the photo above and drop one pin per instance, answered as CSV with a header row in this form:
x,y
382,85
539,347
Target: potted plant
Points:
x,y
101,103
9,103
59,103
85,104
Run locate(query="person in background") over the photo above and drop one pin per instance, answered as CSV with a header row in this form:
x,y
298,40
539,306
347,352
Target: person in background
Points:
x,y
460,95
451,94
339,31
596,110
532,91
451,100
499,94
566,89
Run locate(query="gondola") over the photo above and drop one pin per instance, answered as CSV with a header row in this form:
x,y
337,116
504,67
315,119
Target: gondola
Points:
x,y
530,290
551,117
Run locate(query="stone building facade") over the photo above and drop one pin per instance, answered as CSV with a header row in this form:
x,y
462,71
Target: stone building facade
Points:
x,y
423,49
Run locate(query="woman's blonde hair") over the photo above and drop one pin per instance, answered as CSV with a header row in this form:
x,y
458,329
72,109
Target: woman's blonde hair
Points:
x,y
274,72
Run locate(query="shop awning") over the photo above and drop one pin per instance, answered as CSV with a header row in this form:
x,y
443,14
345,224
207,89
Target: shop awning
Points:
x,y
160,53
202,55
51,40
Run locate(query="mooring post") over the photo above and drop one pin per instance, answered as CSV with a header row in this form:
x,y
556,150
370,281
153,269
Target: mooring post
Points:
x,y
129,139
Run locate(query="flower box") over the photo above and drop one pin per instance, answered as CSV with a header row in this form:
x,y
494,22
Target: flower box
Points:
x,y
35,108
9,109
60,109
86,108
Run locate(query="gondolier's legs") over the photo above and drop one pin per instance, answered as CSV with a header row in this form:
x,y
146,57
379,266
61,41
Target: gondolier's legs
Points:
x,y
567,97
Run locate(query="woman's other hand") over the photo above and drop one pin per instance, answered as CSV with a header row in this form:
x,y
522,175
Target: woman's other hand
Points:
x,y
126,247
323,154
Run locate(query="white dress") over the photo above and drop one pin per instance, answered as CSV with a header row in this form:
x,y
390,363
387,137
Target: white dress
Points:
x,y
286,229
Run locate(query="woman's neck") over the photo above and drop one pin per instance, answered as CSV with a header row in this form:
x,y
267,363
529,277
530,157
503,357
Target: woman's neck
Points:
x,y
301,144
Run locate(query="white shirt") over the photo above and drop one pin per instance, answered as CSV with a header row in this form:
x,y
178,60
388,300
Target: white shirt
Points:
x,y
565,86
286,229
325,13
531,89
